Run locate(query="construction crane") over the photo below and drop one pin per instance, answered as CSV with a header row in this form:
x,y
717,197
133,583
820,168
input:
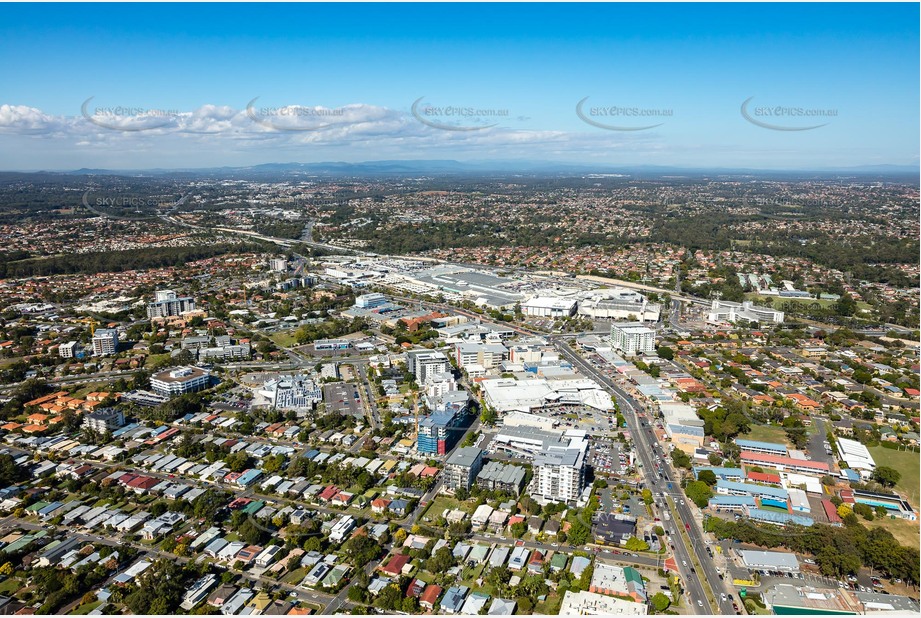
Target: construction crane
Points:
x,y
92,323
416,412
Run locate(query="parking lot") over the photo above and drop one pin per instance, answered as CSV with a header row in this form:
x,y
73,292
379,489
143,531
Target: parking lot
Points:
x,y
606,457
342,398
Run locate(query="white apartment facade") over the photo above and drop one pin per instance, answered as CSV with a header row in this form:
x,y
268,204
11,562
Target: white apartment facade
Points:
x,y
633,338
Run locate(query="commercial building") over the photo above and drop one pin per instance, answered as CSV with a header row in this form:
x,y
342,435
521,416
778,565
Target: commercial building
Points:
x,y
167,303
789,599
331,344
180,381
462,468
633,338
105,342
497,476
618,304
618,581
279,265
293,392
370,301
769,561
585,603
506,395
549,307
725,311
107,419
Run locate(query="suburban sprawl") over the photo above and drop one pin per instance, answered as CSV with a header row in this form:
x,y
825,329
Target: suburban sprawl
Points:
x,y
276,392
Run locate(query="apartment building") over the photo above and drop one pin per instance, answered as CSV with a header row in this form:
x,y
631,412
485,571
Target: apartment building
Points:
x,y
633,338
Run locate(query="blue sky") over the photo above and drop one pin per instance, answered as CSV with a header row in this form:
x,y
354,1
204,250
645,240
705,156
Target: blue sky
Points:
x,y
338,82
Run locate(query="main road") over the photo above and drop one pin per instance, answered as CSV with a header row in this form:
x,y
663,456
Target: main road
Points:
x,y
644,444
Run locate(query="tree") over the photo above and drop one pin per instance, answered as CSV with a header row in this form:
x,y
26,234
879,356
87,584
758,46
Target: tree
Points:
x,y
441,561
681,459
636,544
647,496
699,493
707,476
578,534
518,529
887,476
665,352
660,602
360,550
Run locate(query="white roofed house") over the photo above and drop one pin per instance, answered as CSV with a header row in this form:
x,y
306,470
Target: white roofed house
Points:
x,y
161,525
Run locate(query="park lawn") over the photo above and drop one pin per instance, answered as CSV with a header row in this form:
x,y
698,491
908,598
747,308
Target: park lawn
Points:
x,y
10,585
284,339
905,532
766,433
438,506
296,576
84,609
550,606
906,462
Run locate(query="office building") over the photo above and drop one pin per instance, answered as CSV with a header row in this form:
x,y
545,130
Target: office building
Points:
x,y
179,381
633,338
105,342
370,301
278,265
167,303
462,468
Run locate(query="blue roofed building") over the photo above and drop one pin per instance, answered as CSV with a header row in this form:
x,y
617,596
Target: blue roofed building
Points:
x,y
440,431
453,600
732,503
726,474
769,496
249,477
780,519
768,448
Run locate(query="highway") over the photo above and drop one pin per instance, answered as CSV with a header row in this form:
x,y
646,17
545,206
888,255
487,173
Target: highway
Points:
x,y
644,444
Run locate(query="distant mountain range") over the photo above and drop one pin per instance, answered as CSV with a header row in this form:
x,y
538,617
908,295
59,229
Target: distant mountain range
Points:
x,y
476,168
